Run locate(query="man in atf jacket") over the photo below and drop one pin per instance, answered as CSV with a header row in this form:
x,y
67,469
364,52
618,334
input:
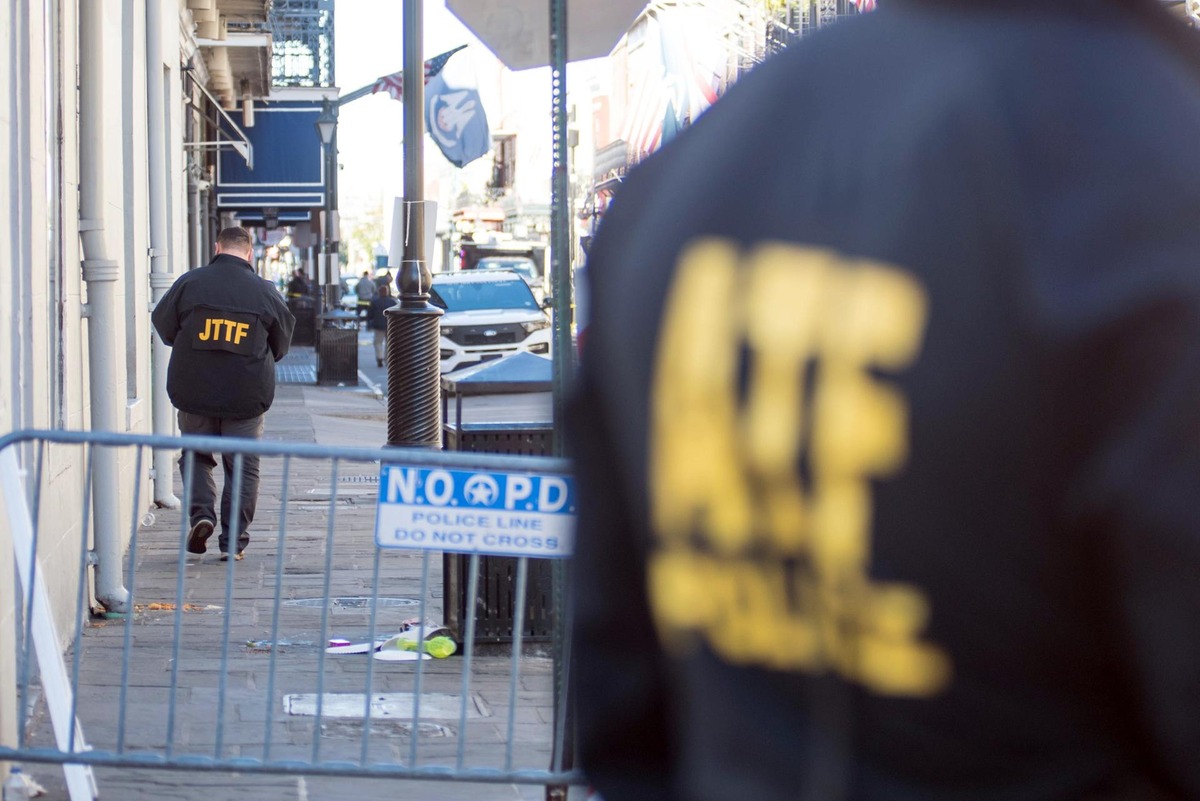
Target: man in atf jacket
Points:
x,y
227,328
890,467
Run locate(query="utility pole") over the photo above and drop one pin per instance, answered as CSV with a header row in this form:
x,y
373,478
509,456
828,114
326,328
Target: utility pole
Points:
x,y
326,126
563,355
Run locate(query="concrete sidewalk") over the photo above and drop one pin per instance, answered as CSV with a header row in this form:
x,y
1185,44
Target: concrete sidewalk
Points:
x,y
252,696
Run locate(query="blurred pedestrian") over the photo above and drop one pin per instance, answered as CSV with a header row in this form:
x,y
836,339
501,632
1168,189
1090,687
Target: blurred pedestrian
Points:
x,y
888,433
386,278
382,301
298,285
365,290
226,327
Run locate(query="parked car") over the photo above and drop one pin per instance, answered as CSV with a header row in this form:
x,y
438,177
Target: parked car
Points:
x,y
489,314
347,299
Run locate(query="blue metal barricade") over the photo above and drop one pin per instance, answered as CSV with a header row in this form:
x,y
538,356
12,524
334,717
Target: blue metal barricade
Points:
x,y
271,665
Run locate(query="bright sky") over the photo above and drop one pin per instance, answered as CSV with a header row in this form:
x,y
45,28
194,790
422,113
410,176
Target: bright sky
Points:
x,y
368,44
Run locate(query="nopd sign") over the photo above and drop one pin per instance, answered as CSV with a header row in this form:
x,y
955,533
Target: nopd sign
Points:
x,y
508,514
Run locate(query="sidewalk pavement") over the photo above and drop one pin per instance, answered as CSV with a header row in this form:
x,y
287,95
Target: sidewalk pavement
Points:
x,y
330,416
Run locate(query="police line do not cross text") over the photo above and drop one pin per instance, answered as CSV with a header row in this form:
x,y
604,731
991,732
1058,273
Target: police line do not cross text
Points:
x,y
507,514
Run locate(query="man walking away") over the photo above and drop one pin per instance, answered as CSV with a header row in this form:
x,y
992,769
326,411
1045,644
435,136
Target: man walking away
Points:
x,y
227,327
378,321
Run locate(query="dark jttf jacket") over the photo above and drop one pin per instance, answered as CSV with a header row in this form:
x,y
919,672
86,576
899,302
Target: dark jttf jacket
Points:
x,y
227,327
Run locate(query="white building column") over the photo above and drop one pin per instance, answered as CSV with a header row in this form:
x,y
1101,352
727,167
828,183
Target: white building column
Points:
x,y
101,274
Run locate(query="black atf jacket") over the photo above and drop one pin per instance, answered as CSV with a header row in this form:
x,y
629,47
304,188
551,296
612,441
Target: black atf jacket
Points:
x,y
888,431
226,327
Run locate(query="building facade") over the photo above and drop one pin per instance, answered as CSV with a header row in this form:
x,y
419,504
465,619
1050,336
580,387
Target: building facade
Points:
x,y
110,123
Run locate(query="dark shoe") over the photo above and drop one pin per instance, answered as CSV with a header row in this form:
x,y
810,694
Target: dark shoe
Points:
x,y
379,362
237,557
202,529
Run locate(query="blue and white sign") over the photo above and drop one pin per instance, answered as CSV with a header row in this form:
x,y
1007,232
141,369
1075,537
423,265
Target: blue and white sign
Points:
x,y
456,120
500,513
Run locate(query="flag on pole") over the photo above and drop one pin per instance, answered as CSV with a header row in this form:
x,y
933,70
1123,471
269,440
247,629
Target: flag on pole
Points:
x,y
455,120
863,6
394,84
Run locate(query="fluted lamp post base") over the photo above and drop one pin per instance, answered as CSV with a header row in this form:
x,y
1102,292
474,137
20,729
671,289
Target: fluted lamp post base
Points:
x,y
414,362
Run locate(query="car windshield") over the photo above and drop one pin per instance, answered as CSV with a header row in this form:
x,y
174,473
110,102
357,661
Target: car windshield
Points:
x,y
522,267
475,295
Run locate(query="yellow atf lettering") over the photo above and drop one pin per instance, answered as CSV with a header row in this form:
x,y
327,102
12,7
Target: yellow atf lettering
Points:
x,y
862,429
764,562
680,582
679,598
695,462
877,317
842,514
781,338
755,594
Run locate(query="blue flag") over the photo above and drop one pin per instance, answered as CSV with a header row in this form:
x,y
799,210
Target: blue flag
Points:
x,y
455,120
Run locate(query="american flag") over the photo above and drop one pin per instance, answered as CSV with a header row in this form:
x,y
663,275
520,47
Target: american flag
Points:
x,y
394,84
863,6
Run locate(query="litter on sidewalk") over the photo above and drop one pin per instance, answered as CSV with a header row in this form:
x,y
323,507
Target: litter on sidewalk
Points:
x,y
403,646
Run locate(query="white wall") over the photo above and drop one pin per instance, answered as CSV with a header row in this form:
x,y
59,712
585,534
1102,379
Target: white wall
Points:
x,y
42,295
7,220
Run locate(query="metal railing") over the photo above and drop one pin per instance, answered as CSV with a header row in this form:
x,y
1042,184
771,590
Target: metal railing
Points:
x,y
226,665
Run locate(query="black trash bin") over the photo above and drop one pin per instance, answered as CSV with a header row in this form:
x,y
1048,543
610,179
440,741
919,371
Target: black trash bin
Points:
x,y
304,309
502,406
337,349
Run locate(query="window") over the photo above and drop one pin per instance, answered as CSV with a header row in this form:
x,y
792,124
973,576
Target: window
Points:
x,y
478,295
521,266
504,162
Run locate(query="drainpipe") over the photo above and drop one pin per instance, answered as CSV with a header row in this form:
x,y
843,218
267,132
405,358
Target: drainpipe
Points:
x,y
100,273
161,276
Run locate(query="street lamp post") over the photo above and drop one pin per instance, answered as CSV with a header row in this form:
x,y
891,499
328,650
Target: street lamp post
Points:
x,y
326,126
413,325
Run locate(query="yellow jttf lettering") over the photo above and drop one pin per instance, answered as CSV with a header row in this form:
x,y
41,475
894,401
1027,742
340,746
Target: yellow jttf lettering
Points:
x,y
218,329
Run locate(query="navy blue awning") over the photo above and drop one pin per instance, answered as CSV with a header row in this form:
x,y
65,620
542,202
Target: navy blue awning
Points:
x,y
289,168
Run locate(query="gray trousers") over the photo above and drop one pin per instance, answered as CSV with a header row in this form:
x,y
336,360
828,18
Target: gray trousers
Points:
x,y
380,344
204,486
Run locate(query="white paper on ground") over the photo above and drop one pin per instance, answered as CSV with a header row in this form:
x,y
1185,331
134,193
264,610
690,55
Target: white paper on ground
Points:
x,y
385,654
347,647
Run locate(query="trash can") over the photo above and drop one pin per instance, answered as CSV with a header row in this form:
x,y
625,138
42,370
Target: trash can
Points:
x,y
337,349
304,309
501,406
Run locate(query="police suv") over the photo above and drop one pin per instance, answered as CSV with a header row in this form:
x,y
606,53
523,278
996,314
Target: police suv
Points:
x,y
489,314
